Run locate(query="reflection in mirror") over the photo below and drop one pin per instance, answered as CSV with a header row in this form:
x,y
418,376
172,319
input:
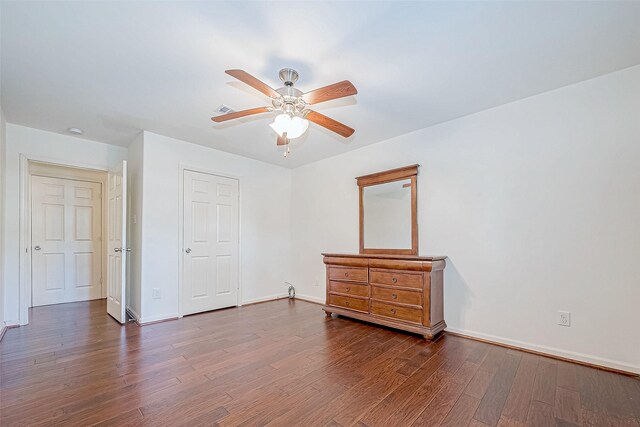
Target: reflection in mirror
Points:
x,y
387,215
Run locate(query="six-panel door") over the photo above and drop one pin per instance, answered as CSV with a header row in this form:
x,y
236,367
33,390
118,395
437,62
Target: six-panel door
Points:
x,y
117,243
66,240
211,242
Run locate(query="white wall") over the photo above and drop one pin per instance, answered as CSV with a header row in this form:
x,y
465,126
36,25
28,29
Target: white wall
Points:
x,y
153,163
265,192
537,205
135,172
51,147
3,128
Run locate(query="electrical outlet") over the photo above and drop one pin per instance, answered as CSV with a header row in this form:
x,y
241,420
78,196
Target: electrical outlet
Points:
x,y
564,318
316,281
156,293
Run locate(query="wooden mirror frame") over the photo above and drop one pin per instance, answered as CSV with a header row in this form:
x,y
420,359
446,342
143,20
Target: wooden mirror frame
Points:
x,y
382,178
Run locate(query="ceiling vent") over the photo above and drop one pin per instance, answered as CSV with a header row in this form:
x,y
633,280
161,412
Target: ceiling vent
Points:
x,y
224,109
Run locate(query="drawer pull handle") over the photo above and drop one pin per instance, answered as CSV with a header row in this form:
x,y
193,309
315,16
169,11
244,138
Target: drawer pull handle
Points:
x,y
394,296
346,303
394,280
393,311
346,274
348,289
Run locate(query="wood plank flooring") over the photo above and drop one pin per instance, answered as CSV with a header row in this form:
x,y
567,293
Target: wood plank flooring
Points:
x,y
283,363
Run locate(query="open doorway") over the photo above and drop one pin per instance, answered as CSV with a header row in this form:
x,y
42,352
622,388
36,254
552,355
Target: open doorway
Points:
x,y
73,236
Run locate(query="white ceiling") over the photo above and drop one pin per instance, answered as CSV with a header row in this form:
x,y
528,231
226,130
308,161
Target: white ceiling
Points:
x,y
115,68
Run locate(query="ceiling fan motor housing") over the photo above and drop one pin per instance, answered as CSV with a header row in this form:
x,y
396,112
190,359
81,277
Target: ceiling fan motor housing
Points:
x,y
290,100
288,76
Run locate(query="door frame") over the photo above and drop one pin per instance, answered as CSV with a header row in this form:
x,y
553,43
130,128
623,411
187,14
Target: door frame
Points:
x,y
182,167
25,285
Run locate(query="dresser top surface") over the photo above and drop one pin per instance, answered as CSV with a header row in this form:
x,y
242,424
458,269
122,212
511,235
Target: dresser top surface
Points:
x,y
385,256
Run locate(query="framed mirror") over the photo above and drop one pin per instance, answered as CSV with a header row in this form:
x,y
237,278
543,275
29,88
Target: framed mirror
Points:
x,y
388,212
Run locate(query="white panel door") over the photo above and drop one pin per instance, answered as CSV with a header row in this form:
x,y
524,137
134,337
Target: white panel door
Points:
x,y
66,242
211,240
117,244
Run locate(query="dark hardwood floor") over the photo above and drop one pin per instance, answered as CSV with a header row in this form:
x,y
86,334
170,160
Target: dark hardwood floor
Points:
x,y
284,364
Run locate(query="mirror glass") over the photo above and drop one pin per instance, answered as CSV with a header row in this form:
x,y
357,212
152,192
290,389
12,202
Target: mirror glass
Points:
x,y
387,215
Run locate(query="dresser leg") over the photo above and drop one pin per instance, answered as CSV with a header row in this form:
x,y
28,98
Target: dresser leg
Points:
x,y
328,313
428,337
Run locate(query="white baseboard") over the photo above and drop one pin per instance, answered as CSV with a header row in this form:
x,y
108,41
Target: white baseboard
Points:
x,y
264,299
5,326
310,298
154,319
552,351
307,298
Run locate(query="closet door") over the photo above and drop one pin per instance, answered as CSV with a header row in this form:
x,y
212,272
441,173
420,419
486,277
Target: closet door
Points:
x,y
211,242
66,221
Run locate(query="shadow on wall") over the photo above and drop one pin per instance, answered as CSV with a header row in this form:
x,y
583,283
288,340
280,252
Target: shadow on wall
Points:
x,y
459,295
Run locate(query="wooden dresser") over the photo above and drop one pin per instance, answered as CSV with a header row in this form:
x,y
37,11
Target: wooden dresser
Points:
x,y
400,291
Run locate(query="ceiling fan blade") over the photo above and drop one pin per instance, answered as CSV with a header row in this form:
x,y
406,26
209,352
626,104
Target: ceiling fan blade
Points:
x,y
237,114
327,93
329,123
282,140
247,78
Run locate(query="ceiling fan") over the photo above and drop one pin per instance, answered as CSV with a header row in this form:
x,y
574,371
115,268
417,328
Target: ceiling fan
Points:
x,y
292,105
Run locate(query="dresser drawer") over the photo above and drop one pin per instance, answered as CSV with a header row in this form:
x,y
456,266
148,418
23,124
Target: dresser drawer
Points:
x,y
349,288
349,274
394,278
396,295
350,303
413,315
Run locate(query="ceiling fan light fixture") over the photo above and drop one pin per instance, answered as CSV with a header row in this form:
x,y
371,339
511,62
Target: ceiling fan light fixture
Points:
x,y
298,127
281,123
294,127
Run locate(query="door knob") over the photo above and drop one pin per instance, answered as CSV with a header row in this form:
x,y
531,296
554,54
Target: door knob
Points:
x,y
37,248
117,249
126,249
188,250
